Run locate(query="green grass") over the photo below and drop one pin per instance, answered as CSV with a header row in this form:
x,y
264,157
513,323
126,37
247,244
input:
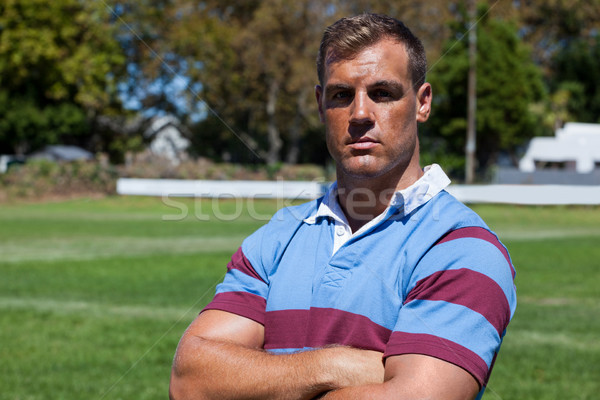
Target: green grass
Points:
x,y
95,294
552,348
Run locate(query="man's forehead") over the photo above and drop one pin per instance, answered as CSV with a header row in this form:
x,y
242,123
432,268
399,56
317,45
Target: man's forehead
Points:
x,y
385,52
333,55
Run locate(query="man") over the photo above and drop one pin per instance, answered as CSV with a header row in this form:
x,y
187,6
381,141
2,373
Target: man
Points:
x,y
385,288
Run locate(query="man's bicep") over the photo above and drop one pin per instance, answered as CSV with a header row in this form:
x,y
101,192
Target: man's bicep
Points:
x,y
225,326
416,375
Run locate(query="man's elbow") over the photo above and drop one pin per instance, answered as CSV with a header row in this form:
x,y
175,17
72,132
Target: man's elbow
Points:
x,y
175,391
185,384
177,386
183,388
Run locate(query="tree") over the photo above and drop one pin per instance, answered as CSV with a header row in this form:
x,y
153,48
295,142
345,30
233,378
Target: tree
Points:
x,y
575,71
59,67
549,25
251,67
508,84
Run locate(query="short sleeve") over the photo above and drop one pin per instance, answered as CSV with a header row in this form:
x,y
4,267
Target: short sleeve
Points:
x,y
459,301
246,285
244,290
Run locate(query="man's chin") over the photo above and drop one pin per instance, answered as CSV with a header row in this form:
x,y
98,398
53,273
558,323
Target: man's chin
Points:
x,y
364,171
365,168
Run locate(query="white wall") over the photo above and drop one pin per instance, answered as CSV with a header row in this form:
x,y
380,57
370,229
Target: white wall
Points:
x,y
509,194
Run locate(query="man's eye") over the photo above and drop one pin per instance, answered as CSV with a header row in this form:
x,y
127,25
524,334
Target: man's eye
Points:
x,y
382,93
341,95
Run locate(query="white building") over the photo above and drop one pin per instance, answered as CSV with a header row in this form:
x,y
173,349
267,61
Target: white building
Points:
x,y
167,139
577,145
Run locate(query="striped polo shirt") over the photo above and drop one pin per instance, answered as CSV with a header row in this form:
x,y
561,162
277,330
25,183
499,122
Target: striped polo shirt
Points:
x,y
425,277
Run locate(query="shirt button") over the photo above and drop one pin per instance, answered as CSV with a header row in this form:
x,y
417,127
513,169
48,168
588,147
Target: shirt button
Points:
x,y
340,230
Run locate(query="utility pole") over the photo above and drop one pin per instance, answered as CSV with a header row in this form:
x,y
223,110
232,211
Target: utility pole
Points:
x,y
472,95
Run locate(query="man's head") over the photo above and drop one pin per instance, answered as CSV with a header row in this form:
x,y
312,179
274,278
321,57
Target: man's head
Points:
x,y
371,97
349,36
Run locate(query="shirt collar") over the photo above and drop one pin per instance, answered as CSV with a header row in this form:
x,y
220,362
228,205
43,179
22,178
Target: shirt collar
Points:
x,y
329,207
433,181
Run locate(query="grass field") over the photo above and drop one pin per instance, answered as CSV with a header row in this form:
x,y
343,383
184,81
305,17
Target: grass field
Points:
x,y
94,294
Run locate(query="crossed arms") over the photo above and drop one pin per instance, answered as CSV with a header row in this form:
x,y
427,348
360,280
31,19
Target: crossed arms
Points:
x,y
220,356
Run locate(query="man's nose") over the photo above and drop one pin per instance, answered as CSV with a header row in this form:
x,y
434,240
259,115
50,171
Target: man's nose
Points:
x,y
361,111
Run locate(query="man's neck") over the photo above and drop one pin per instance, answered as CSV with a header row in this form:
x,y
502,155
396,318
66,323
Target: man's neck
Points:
x,y
364,198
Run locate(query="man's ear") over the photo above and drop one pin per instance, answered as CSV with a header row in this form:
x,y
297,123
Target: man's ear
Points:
x,y
319,96
424,97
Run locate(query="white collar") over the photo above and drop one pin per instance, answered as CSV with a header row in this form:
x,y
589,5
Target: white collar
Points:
x,y
433,181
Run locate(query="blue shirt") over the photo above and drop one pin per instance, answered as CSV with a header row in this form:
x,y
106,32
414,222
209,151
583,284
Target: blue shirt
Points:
x,y
425,277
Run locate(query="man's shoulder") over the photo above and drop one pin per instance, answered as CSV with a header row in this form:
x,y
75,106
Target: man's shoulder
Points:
x,y
286,221
296,213
453,232
445,207
271,239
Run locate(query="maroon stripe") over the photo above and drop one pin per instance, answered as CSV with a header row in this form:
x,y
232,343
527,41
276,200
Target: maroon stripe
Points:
x,y
320,327
417,343
286,329
241,263
467,288
241,303
478,233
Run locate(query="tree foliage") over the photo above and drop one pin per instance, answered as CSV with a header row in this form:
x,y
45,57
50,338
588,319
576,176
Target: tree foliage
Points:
x,y
251,68
549,25
508,84
58,68
253,65
241,74
576,71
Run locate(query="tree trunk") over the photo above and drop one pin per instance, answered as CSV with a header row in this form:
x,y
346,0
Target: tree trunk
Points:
x,y
21,148
273,134
296,128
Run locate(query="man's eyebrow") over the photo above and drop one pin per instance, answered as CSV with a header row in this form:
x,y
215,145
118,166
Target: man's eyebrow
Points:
x,y
337,86
395,85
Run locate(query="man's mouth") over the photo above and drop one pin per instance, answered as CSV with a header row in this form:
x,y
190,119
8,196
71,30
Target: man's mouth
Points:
x,y
363,143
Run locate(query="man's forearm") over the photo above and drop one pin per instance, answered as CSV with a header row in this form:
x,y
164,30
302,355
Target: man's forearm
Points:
x,y
374,391
208,369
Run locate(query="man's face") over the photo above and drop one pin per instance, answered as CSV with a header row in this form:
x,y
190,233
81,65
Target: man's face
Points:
x,y
370,110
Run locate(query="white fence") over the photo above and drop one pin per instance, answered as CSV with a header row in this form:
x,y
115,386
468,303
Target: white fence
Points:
x,y
224,189
527,194
509,194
